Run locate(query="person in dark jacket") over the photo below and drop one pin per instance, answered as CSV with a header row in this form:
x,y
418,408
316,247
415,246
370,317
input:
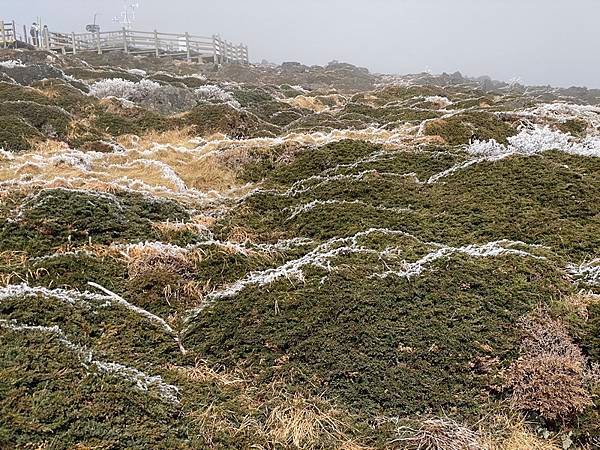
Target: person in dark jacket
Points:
x,y
34,31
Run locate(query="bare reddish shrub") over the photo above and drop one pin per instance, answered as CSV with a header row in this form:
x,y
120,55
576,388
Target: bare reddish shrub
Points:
x,y
551,376
550,385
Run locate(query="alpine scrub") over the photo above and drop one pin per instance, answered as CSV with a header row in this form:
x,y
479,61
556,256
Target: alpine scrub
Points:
x,y
294,257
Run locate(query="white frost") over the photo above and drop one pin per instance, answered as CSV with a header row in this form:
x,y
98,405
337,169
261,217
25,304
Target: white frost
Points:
x,y
142,381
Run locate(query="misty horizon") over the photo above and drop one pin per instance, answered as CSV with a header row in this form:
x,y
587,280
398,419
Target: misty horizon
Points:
x,y
534,42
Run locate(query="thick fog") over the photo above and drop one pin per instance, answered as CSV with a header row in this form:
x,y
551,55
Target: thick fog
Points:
x,y
537,41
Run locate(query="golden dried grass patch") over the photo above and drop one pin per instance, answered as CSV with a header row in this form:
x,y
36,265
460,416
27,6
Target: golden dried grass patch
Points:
x,y
177,137
198,224
511,432
303,422
316,104
580,302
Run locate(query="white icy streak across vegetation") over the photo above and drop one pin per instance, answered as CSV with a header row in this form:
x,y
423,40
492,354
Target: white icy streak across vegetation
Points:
x,y
72,297
491,249
537,140
565,111
63,295
141,380
323,254
301,209
439,100
11,64
588,272
528,142
245,248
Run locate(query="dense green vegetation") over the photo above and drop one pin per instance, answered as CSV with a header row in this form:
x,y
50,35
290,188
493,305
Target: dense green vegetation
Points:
x,y
367,271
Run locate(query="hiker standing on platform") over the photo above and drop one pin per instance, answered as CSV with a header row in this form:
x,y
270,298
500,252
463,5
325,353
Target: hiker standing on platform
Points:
x,y
34,31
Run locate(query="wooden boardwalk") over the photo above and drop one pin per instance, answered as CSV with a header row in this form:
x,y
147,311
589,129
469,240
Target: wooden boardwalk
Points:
x,y
184,45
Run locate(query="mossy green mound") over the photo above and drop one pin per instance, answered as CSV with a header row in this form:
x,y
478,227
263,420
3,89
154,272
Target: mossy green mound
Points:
x,y
51,121
55,217
384,347
465,127
17,135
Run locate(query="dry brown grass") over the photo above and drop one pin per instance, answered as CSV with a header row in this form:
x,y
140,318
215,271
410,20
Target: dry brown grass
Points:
x,y
511,432
215,420
97,250
303,422
11,258
178,137
11,262
198,224
144,258
580,302
27,277
282,420
552,386
241,235
167,170
203,373
551,376
50,146
439,434
315,104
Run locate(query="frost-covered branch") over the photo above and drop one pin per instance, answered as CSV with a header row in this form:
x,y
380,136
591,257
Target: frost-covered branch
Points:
x,y
491,249
142,312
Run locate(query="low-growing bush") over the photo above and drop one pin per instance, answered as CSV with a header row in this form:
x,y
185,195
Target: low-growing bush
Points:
x,y
15,134
166,99
551,376
464,127
51,121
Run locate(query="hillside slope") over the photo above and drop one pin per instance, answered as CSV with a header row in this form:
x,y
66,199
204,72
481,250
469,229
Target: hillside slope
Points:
x,y
299,257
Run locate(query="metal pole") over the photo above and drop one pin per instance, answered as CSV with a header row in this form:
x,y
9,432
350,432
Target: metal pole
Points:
x,y
14,31
25,36
3,34
74,43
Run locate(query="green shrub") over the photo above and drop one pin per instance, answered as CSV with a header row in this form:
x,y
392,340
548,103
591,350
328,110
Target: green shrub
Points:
x,y
16,135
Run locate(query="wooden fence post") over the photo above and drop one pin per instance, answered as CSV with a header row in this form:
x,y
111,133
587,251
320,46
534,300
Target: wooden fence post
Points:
x,y
74,43
156,47
46,38
125,47
221,51
3,33
25,36
98,47
187,47
214,38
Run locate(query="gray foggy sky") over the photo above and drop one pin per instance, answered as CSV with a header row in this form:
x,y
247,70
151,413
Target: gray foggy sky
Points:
x,y
539,41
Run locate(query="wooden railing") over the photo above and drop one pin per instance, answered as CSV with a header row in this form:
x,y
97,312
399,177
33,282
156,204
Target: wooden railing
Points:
x,y
8,33
184,45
